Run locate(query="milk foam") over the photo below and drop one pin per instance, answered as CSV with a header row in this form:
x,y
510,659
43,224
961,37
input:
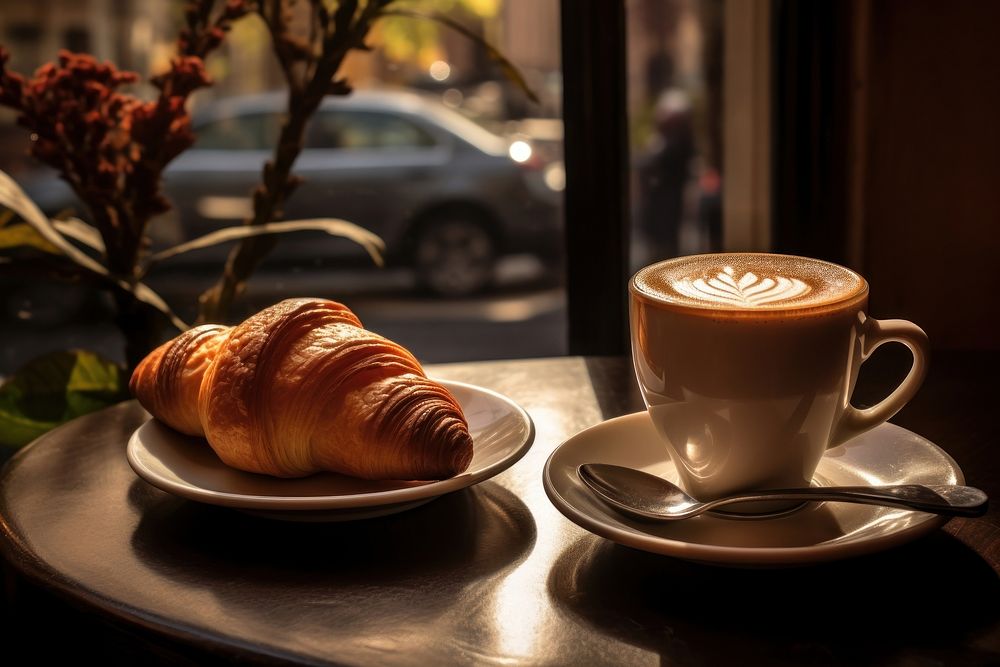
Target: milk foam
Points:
x,y
748,281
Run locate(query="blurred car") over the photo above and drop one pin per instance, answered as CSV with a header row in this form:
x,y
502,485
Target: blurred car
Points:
x,y
447,196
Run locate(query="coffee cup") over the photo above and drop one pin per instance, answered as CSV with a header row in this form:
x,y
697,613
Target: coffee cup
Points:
x,y
747,363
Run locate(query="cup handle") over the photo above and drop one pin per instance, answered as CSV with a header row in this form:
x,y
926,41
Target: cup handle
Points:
x,y
876,333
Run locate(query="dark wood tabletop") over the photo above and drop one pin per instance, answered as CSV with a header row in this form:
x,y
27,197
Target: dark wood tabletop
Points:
x,y
99,563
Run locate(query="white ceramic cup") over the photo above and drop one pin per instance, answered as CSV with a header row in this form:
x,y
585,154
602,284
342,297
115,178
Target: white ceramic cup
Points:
x,y
748,389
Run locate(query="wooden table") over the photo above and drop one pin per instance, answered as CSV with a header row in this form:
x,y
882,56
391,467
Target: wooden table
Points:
x,y
99,562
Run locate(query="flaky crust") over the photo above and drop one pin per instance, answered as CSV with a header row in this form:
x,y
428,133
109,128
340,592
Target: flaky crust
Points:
x,y
301,387
168,381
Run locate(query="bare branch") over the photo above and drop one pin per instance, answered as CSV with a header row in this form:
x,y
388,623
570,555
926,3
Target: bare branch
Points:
x,y
349,28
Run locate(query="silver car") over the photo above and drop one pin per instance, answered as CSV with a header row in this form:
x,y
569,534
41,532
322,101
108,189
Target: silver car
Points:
x,y
447,196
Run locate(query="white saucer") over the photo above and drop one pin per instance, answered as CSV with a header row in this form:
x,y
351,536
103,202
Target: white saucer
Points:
x,y
186,466
887,454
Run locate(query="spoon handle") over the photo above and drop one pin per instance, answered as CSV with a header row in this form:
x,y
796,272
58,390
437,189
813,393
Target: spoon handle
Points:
x,y
944,499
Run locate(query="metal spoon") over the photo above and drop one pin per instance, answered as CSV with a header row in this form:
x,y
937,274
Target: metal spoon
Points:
x,y
645,496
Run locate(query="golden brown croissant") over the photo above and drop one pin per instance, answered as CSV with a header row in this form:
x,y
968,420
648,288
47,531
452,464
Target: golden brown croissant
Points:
x,y
301,387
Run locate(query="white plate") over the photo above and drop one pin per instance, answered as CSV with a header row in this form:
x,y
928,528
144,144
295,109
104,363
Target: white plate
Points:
x,y
887,454
186,466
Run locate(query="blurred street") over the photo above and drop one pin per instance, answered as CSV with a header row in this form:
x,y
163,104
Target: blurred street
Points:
x,y
523,316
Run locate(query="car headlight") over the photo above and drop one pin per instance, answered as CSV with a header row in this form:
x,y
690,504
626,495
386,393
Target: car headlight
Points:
x,y
520,151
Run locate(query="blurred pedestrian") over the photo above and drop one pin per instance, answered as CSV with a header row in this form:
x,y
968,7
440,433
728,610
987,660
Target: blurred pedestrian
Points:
x,y
663,169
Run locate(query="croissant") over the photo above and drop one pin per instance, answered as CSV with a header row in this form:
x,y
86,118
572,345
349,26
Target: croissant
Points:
x,y
301,387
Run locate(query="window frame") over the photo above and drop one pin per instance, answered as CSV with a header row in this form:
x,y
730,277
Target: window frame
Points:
x,y
596,156
595,118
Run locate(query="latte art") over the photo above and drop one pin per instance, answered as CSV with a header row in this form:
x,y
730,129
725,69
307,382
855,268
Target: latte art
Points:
x,y
748,283
748,290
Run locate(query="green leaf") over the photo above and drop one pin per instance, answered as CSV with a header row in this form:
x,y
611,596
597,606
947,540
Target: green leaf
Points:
x,y
54,388
21,235
508,68
366,239
14,234
14,198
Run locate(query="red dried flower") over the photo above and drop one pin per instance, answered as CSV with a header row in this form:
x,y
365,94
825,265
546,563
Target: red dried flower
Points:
x,y
110,146
79,122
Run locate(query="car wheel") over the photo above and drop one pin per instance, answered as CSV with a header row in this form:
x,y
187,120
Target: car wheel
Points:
x,y
454,256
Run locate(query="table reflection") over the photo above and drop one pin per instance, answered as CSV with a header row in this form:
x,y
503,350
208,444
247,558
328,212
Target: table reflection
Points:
x,y
895,606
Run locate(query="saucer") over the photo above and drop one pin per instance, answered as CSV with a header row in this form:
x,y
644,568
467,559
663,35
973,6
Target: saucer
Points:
x,y
186,466
818,532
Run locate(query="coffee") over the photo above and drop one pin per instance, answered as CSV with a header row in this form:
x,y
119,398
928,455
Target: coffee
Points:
x,y
749,284
747,363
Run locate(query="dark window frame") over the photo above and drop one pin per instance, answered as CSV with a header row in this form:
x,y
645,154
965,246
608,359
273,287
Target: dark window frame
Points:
x,y
811,140
597,166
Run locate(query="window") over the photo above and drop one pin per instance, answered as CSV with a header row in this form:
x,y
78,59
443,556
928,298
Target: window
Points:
x,y
473,235
623,61
366,130
249,132
674,66
77,39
